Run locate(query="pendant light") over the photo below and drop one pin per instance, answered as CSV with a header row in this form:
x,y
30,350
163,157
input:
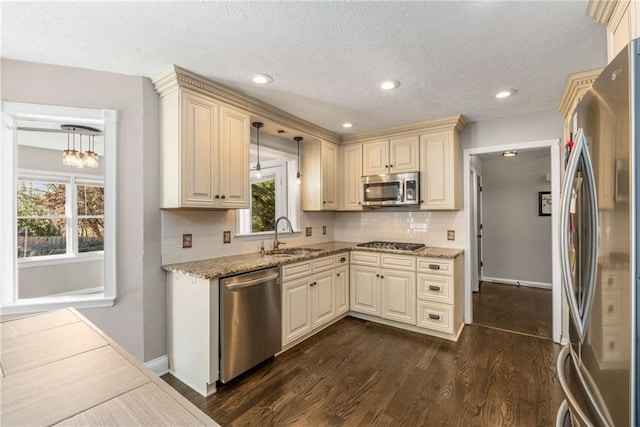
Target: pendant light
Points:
x,y
70,156
258,125
80,159
298,175
91,157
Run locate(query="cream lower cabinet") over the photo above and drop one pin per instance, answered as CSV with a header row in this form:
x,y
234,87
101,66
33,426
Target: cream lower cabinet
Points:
x,y
342,283
440,296
384,285
312,295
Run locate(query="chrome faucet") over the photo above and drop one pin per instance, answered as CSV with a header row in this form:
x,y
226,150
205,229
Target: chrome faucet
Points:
x,y
277,243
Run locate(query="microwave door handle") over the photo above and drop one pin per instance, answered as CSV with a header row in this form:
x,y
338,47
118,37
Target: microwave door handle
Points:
x,y
401,189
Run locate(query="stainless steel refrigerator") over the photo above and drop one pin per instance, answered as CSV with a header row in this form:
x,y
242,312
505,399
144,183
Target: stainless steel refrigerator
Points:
x,y
599,235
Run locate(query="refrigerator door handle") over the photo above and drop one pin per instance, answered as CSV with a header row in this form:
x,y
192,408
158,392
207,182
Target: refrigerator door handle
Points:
x,y
575,410
579,314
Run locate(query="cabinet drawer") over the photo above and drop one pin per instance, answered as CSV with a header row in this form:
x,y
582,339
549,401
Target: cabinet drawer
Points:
x,y
611,281
398,262
365,258
342,259
432,287
438,317
324,263
612,308
435,266
296,270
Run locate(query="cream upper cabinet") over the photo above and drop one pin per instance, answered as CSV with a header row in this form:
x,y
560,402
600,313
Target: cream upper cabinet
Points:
x,y
395,155
319,176
204,153
622,18
440,170
351,169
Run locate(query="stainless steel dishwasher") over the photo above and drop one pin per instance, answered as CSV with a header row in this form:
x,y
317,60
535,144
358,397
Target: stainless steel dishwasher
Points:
x,y
250,320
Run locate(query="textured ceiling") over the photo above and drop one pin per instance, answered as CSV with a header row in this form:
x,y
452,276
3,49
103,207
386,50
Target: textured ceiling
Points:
x,y
327,58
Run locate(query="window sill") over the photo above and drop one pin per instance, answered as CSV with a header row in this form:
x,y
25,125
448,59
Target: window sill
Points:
x,y
59,259
35,305
267,234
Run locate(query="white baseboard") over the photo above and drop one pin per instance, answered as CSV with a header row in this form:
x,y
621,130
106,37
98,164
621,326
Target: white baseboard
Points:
x,y
158,366
501,281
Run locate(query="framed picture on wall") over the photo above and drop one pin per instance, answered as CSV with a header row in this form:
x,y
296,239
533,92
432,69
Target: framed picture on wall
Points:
x,y
544,203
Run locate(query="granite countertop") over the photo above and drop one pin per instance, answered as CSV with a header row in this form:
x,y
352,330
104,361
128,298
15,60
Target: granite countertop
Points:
x,y
214,268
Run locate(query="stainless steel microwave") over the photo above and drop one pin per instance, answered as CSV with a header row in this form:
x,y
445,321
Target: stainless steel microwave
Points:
x,y
400,189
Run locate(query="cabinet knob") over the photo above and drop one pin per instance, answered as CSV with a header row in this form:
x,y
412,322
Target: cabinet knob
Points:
x,y
386,166
223,196
323,202
377,275
421,201
359,203
217,196
382,277
390,166
338,274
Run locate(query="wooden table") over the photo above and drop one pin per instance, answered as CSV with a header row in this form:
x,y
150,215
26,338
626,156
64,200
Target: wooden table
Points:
x,y
58,368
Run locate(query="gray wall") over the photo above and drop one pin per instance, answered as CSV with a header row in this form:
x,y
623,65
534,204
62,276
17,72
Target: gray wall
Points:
x,y
516,242
138,319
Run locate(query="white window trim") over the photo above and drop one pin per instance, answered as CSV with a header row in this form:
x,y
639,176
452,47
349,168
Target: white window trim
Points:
x,y
293,198
12,111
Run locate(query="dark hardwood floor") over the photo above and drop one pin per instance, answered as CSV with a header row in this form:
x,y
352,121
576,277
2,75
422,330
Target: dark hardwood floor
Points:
x,y
362,373
514,308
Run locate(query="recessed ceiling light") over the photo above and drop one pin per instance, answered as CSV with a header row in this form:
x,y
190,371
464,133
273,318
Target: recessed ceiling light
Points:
x,y
505,93
347,125
261,79
509,153
389,84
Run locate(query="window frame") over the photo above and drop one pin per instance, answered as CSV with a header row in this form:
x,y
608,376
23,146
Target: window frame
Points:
x,y
12,111
290,208
71,181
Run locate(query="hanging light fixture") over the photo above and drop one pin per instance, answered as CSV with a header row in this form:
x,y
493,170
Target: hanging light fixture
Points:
x,y
298,175
258,125
80,159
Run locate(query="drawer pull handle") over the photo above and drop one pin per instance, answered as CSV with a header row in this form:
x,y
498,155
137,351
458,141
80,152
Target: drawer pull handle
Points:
x,y
434,316
434,267
434,288
343,259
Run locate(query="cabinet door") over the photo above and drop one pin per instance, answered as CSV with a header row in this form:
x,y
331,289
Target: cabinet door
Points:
x,y
323,298
199,151
403,154
375,157
296,310
398,296
234,153
351,173
440,171
365,289
329,171
342,289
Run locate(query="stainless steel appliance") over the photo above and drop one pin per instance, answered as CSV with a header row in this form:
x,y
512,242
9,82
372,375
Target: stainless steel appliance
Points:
x,y
250,320
400,189
392,245
599,253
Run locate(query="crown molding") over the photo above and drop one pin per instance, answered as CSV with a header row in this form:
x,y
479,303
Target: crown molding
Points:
x,y
601,10
177,77
456,122
577,85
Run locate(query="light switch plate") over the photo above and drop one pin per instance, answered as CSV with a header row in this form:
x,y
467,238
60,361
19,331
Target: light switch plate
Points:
x,y
226,236
308,231
451,235
187,240
324,229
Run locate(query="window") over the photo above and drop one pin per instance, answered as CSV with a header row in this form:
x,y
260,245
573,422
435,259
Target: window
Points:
x,y
273,195
59,215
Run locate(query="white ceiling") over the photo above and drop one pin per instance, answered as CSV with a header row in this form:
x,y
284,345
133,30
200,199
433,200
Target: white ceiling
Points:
x,y
327,58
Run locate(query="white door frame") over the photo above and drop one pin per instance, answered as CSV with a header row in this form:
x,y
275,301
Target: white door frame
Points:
x,y
555,148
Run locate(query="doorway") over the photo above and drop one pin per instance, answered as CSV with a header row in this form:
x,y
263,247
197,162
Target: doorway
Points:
x,y
478,242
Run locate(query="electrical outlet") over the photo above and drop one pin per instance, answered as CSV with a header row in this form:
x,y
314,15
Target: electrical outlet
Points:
x,y
324,229
308,231
226,236
451,235
186,241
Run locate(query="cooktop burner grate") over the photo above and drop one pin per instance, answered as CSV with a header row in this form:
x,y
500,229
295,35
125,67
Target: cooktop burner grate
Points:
x,y
398,246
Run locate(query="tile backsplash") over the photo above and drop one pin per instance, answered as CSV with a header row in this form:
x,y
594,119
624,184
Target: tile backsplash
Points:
x,y
429,228
207,228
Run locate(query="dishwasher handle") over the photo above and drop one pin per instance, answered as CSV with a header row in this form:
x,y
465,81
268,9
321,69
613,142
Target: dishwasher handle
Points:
x,y
252,282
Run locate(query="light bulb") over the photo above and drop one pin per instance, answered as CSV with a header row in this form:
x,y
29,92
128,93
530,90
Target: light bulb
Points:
x,y
258,172
298,178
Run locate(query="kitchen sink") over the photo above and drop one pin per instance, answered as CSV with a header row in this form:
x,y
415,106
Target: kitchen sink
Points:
x,y
293,252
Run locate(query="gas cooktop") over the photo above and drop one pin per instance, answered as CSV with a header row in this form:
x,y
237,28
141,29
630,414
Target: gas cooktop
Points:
x,y
398,246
